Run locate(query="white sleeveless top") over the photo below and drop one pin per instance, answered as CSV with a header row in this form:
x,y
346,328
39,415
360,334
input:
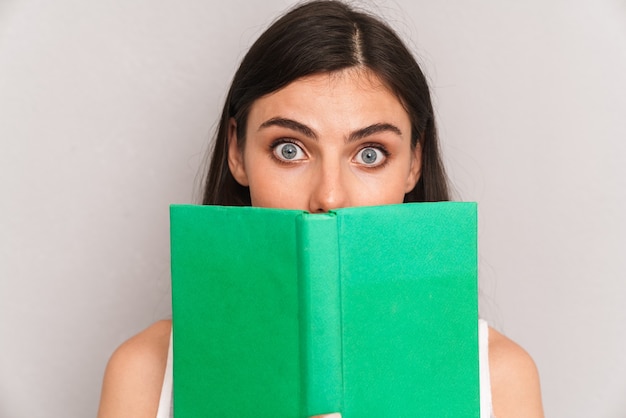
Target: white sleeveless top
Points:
x,y
486,408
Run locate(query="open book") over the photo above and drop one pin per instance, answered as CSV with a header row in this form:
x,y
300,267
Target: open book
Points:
x,y
367,311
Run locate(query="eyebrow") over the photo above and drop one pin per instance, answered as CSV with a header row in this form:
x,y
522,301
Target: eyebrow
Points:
x,y
290,124
308,132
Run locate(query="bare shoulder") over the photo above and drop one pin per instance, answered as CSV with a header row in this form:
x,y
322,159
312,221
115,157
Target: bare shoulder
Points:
x,y
514,379
134,374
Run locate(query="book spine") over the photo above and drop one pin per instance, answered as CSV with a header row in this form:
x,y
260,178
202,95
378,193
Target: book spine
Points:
x,y
320,314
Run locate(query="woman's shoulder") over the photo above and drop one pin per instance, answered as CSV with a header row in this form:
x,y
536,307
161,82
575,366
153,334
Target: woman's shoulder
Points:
x,y
514,379
134,374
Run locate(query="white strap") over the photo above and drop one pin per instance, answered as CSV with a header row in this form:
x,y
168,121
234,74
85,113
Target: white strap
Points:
x,y
483,360
165,402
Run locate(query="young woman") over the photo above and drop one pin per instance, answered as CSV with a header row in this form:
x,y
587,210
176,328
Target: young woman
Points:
x,y
328,109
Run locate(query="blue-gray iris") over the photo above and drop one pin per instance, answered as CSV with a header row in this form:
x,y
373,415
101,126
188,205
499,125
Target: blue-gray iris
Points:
x,y
369,155
289,151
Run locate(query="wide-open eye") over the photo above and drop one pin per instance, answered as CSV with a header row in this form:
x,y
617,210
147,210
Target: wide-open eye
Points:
x,y
288,151
370,156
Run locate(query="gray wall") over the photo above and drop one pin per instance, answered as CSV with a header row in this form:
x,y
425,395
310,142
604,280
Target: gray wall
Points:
x,y
105,113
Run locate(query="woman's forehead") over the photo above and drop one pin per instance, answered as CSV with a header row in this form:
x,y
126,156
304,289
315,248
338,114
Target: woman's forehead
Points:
x,y
348,92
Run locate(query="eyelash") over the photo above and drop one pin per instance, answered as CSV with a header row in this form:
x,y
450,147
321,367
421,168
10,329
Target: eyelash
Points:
x,y
277,142
378,147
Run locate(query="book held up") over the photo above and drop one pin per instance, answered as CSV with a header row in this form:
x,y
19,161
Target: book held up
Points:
x,y
367,311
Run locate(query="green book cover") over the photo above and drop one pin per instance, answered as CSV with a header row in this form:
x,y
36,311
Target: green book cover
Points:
x,y
367,311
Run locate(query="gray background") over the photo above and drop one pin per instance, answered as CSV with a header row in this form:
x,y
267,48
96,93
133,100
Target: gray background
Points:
x,y
106,109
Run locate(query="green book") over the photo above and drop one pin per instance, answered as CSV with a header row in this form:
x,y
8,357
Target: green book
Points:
x,y
367,311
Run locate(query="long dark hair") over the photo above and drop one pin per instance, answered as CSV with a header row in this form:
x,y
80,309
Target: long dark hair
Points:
x,y
320,37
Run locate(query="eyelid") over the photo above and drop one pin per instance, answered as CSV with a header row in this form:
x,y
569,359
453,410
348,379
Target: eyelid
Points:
x,y
286,140
377,146
281,141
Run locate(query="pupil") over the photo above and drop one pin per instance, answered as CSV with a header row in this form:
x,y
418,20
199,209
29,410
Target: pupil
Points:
x,y
368,155
289,151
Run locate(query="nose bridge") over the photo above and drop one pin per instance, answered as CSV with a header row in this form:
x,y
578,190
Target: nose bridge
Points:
x,y
329,191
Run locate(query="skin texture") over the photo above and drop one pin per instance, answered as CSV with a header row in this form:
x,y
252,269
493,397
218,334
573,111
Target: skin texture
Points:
x,y
322,142
134,374
343,114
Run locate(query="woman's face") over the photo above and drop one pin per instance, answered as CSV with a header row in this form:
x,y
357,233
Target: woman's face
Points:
x,y
327,141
